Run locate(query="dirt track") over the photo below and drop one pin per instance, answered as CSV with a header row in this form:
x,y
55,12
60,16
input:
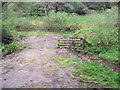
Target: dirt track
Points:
x,y
35,66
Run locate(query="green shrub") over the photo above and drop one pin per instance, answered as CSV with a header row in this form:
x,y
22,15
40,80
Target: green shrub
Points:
x,y
93,72
110,55
9,38
101,34
10,48
60,22
101,28
24,24
8,30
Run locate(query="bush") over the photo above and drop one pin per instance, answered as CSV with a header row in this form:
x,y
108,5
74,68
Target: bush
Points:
x,y
24,24
104,36
9,38
6,36
60,22
95,73
111,55
92,73
10,48
102,30
8,31
101,33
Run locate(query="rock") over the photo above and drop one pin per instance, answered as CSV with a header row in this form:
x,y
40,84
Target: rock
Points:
x,y
56,51
5,79
31,80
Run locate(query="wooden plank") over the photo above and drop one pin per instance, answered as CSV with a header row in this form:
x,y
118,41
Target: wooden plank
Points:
x,y
64,45
71,39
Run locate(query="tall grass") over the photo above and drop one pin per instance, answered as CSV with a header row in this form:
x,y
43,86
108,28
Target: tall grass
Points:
x,y
92,73
61,22
99,29
101,32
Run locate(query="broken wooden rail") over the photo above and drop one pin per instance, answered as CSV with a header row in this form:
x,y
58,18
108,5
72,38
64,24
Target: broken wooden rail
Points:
x,y
72,43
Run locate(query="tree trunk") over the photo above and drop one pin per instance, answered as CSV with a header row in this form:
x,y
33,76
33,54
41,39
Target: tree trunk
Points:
x,y
46,10
56,8
20,9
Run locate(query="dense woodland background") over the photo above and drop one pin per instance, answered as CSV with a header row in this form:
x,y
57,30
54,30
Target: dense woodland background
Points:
x,y
97,22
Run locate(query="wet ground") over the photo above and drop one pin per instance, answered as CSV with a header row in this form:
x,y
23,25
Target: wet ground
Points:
x,y
35,66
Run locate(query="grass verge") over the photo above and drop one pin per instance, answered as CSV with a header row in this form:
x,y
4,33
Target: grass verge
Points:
x,y
92,73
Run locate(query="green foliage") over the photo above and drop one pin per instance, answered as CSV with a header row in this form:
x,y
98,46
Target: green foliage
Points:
x,y
33,60
93,72
110,55
100,28
67,61
13,10
10,48
97,5
12,67
8,32
82,8
24,24
58,44
101,34
65,36
10,26
60,22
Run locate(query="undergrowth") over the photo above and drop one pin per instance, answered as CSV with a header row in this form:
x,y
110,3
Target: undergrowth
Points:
x,y
10,48
92,72
101,34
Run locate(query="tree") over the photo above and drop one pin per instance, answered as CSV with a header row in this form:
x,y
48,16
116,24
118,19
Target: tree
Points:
x,y
46,10
56,7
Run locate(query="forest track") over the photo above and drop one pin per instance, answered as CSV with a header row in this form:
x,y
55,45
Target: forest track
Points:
x,y
35,67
